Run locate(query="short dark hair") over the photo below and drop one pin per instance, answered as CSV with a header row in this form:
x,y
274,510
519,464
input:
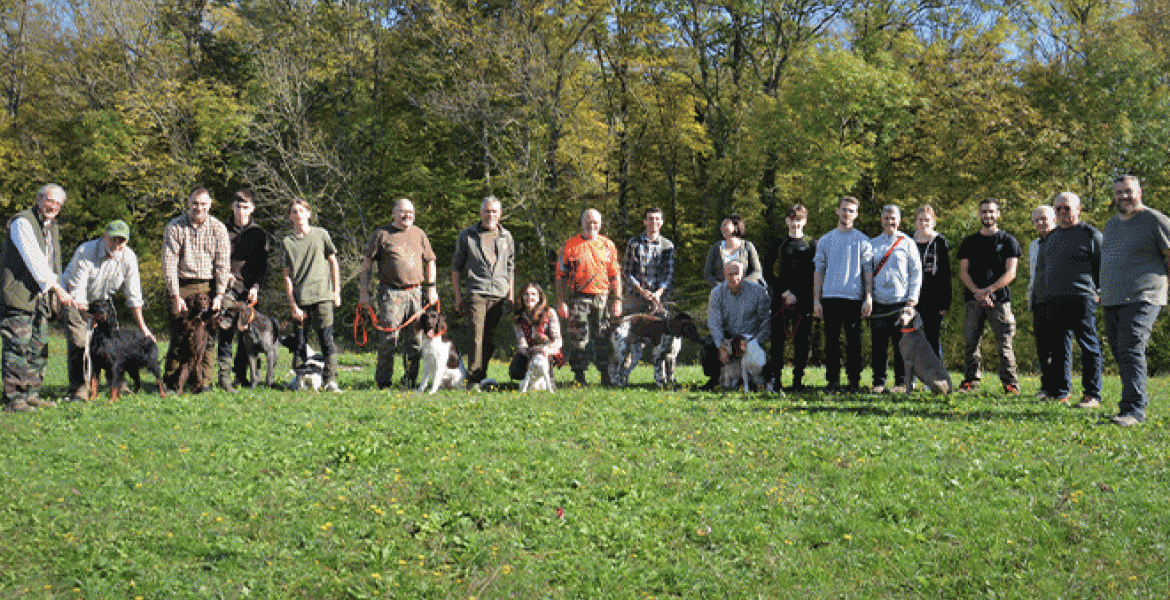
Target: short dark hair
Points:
x,y
737,223
989,201
652,210
244,195
850,200
797,211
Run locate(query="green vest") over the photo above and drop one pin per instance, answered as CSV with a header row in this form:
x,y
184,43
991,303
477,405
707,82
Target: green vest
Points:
x,y
19,288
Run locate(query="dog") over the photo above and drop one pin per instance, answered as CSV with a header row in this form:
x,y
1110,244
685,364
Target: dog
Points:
x,y
119,352
441,365
308,371
664,334
189,347
745,365
919,357
539,376
259,337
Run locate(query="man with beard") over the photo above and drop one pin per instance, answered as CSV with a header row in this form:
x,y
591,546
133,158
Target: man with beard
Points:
x,y
987,264
1134,266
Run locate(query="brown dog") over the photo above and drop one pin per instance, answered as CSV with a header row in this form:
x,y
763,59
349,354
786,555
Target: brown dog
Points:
x,y
189,344
919,356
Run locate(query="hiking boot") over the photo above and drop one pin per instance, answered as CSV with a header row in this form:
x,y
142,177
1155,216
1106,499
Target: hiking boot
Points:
x,y
968,386
36,402
1088,401
18,406
81,394
579,377
710,386
833,387
854,388
1011,388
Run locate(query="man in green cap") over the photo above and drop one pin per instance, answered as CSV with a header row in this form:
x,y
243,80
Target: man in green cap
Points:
x,y
99,269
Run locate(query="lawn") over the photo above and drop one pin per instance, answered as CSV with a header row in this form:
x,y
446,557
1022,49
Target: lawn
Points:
x,y
588,493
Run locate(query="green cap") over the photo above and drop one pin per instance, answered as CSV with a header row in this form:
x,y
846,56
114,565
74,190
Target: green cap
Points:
x,y
118,228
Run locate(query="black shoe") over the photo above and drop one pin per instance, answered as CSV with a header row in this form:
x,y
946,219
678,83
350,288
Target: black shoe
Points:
x,y
710,386
854,388
579,377
833,388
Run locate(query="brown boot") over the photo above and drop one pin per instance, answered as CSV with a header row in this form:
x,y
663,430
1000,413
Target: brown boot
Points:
x,y
35,401
18,406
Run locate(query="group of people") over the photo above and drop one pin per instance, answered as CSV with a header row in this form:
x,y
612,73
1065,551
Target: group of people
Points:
x,y
844,278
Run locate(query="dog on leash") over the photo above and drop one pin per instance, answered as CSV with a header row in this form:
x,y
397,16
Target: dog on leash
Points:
x,y
259,337
189,347
119,352
745,364
919,357
664,334
539,375
441,364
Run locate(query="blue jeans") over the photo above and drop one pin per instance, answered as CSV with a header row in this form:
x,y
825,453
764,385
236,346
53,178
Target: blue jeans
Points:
x,y
1128,328
1073,317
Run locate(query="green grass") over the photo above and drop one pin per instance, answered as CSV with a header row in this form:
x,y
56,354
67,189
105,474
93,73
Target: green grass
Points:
x,y
677,494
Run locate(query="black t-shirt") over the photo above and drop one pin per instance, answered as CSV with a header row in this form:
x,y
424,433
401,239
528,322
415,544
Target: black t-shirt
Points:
x,y
987,257
788,266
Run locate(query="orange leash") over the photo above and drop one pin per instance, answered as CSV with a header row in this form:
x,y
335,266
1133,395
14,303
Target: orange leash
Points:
x,y
373,319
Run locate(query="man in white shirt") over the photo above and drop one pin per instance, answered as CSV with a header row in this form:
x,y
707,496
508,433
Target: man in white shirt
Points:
x,y
99,269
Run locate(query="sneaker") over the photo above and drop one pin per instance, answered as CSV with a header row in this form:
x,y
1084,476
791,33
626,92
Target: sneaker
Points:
x,y
1061,399
1125,420
1011,388
898,389
878,389
968,386
1089,402
331,387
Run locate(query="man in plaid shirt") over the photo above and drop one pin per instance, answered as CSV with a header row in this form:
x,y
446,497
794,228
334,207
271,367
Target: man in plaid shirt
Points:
x,y
196,259
649,267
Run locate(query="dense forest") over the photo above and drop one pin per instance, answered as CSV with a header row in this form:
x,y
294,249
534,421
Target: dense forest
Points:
x,y
700,107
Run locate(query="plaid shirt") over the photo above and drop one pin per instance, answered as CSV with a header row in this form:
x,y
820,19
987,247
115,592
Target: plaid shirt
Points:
x,y
196,252
649,264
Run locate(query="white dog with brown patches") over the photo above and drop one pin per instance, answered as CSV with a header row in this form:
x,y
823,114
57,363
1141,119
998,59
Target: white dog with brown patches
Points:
x,y
441,365
744,363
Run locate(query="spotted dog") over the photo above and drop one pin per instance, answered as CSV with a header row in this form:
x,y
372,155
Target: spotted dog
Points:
x,y
633,333
441,365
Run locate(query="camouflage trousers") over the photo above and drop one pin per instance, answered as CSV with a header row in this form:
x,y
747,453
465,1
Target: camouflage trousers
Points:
x,y
26,352
394,307
586,333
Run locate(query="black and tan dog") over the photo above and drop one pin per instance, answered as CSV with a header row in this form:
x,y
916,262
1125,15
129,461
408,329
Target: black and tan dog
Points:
x,y
919,356
119,352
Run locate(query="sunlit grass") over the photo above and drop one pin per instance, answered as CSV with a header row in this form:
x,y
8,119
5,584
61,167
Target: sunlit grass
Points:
x,y
588,493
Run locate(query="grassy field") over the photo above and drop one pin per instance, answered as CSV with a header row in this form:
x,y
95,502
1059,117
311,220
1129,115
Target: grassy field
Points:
x,y
589,493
